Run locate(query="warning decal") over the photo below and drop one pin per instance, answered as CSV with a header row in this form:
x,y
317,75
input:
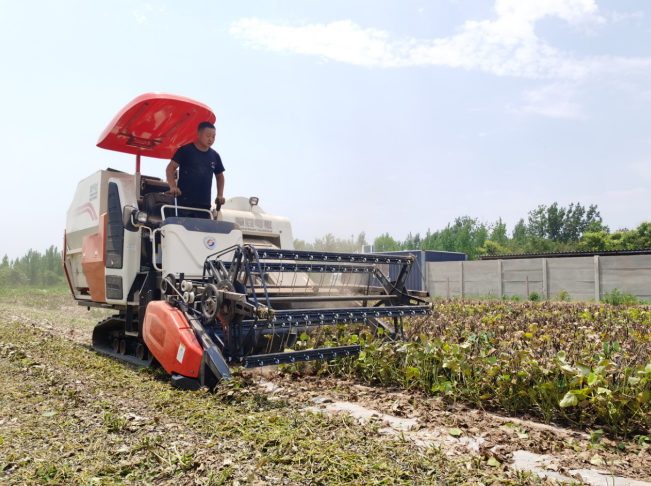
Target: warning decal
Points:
x,y
179,355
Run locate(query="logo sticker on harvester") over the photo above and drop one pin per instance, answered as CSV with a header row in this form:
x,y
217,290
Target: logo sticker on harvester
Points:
x,y
180,354
210,242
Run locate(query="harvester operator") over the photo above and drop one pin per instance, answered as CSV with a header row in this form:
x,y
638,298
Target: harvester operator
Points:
x,y
197,162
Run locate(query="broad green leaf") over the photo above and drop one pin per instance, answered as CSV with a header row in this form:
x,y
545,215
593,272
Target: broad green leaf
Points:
x,y
493,462
569,400
644,396
455,432
592,379
561,355
362,356
528,334
304,337
585,370
633,381
49,414
568,368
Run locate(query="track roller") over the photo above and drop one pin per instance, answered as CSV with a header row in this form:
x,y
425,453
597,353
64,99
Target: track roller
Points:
x,y
140,351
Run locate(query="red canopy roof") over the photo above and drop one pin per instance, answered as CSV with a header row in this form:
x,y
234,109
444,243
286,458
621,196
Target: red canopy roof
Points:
x,y
156,123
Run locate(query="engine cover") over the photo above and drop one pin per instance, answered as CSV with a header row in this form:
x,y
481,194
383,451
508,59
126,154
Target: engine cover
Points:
x,y
171,340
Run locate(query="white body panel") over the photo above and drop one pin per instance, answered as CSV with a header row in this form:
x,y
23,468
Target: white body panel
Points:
x,y
89,203
132,241
186,251
257,225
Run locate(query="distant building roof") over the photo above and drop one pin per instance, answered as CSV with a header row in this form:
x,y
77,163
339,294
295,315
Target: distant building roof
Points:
x,y
567,254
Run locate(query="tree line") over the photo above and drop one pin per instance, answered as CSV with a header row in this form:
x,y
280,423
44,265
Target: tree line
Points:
x,y
34,268
547,229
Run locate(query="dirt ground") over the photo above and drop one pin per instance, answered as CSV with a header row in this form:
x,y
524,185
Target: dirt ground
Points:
x,y
72,416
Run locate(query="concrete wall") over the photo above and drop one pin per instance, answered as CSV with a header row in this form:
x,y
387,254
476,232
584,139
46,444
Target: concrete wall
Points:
x,y
628,273
576,275
583,277
442,276
515,274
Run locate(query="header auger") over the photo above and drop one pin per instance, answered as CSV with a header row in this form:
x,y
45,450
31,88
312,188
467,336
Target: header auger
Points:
x,y
201,294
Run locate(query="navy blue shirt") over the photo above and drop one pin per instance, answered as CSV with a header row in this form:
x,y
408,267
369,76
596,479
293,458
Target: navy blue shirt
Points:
x,y
196,169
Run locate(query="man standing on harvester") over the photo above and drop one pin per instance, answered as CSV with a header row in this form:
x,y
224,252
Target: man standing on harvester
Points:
x,y
197,162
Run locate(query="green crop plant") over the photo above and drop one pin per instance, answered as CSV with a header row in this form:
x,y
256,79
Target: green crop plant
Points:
x,y
588,366
619,298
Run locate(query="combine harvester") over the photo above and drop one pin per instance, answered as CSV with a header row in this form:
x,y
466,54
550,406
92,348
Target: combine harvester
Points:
x,y
199,294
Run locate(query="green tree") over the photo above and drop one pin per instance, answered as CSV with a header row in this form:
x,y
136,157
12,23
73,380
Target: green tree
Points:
x,y
412,242
597,241
498,233
555,223
520,231
386,243
492,248
331,243
361,239
538,222
563,225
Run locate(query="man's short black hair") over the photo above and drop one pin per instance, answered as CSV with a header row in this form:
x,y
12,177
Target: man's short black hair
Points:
x,y
204,125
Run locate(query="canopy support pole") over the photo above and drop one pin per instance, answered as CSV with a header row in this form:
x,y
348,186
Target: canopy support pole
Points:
x,y
138,162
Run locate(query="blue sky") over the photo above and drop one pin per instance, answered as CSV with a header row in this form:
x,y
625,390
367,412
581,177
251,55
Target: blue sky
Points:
x,y
371,116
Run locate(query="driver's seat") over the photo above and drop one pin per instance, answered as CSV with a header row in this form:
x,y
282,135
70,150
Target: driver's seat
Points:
x,y
154,202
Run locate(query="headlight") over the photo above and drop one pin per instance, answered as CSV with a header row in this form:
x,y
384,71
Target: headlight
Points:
x,y
141,217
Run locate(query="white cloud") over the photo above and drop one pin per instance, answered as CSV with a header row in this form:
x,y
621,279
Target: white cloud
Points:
x,y
141,19
145,10
506,45
623,16
503,46
553,100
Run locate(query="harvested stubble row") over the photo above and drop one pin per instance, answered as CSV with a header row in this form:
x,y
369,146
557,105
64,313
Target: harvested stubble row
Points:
x,y
584,364
71,416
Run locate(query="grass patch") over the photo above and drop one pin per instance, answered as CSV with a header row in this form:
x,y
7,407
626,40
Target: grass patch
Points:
x,y
28,290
